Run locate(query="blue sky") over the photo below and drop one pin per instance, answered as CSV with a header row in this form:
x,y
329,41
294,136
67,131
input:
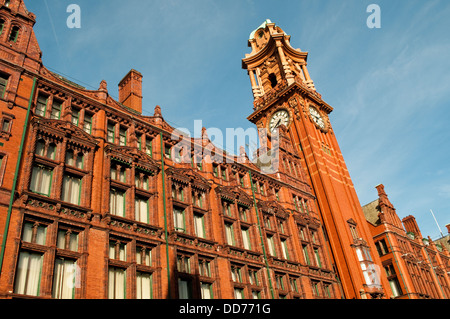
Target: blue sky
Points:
x,y
389,87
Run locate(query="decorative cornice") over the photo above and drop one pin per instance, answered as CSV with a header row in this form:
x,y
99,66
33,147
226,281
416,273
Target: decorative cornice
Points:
x,y
188,176
62,129
234,193
131,155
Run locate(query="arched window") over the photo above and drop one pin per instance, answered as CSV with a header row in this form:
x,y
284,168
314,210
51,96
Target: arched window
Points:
x,y
273,80
7,2
14,35
2,25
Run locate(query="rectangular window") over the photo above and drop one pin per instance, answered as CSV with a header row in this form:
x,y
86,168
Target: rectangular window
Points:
x,y
79,162
117,202
284,248
148,146
87,125
198,199
184,264
313,236
236,274
41,180
117,250
139,141
141,181
316,289
6,125
177,192
184,289
71,189
144,256
64,279
246,238
243,213
229,234
302,233
41,105
122,137
70,158
239,293
34,233
199,224
178,219
293,284
353,231
215,170
67,240
327,289
206,290
75,116
267,223
317,257
141,210
3,84
395,287
167,152
241,180
281,223
305,254
256,294
226,208
49,152
111,133
224,173
56,110
119,174
204,268
381,247
117,283
253,277
279,281
144,286
271,243
28,276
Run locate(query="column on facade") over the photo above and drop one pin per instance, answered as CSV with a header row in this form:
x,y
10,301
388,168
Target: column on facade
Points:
x,y
286,68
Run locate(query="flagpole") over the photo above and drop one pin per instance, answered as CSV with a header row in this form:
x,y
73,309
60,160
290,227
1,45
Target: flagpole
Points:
x,y
437,223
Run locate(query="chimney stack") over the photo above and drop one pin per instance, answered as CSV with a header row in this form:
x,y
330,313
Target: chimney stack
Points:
x,y
448,228
130,91
411,225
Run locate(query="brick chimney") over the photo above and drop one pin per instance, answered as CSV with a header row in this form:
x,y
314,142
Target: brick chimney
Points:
x,y
130,91
448,228
411,225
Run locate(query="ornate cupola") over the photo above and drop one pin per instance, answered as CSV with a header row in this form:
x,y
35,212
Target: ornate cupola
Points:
x,y
273,61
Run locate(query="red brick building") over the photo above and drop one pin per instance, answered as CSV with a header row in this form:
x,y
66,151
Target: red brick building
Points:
x,y
416,267
107,205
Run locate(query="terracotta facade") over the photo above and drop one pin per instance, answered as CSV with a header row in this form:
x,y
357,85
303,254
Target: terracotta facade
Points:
x,y
107,204
417,267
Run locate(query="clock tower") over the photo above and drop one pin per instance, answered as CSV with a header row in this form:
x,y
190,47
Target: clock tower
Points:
x,y
284,94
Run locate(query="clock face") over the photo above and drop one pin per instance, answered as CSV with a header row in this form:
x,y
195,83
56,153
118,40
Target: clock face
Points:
x,y
316,117
280,117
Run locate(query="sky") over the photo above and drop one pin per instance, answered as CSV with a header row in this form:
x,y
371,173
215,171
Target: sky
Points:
x,y
389,86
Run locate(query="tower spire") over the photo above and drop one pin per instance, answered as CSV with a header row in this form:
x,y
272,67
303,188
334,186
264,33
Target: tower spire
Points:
x,y
17,38
273,62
